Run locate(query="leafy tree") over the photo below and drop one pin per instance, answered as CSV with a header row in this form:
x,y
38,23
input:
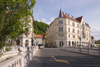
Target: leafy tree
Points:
x,y
97,42
40,27
14,17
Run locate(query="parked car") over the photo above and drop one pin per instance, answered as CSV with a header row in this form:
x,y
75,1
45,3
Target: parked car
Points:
x,y
40,46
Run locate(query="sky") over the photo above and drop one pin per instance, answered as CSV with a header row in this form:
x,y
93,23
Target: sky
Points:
x,y
47,10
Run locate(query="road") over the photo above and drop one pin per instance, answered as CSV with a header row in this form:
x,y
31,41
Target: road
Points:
x,y
56,57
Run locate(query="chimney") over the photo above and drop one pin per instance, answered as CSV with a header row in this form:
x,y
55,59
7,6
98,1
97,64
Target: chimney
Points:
x,y
73,17
68,15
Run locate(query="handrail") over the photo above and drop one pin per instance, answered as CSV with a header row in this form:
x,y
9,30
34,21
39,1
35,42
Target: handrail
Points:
x,y
86,50
22,59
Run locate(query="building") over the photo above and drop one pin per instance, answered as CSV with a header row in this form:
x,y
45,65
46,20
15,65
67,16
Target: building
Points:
x,y
68,31
44,39
38,39
25,39
92,40
47,38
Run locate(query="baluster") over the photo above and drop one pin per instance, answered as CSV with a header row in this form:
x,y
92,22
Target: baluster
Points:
x,y
99,51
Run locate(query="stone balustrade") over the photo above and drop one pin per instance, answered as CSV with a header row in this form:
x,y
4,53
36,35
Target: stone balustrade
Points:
x,y
86,50
22,59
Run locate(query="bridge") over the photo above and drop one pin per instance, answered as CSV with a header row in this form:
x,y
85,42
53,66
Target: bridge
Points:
x,y
54,57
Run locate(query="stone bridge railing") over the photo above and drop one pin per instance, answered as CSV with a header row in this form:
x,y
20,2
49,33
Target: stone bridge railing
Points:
x,y
21,59
86,50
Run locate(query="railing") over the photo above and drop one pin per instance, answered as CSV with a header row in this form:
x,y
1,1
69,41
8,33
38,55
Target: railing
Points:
x,y
22,59
14,51
86,50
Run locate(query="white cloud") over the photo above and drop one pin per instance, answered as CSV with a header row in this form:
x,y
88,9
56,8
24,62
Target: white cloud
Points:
x,y
45,21
95,31
52,19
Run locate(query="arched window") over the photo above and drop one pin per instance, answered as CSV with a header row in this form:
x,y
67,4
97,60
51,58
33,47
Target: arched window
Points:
x,y
26,43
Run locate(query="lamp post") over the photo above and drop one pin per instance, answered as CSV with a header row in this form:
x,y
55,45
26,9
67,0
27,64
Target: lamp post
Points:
x,y
80,45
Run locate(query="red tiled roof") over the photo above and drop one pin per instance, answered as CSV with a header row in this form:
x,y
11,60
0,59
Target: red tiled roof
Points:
x,y
68,17
76,19
38,36
92,37
79,18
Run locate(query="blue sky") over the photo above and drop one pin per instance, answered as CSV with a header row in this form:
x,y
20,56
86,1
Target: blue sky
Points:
x,y
47,10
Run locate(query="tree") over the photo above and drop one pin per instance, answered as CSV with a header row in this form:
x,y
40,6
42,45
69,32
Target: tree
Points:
x,y
14,17
40,27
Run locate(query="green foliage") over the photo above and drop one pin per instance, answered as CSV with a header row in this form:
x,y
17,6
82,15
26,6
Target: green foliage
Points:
x,y
8,48
14,17
40,27
97,42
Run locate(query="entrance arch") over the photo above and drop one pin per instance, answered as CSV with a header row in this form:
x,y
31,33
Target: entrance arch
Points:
x,y
18,42
69,43
61,43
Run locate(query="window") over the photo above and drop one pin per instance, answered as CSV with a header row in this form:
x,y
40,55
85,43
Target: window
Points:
x,y
68,29
68,22
73,30
73,36
60,29
78,25
78,31
60,22
68,36
73,24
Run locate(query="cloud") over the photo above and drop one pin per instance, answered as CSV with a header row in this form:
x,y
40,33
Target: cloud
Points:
x,y
95,31
45,21
52,19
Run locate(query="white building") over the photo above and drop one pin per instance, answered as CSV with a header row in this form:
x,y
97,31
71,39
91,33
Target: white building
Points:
x,y
38,39
67,31
26,39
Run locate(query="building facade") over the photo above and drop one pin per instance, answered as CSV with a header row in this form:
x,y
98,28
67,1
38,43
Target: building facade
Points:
x,y
44,39
38,39
68,31
26,39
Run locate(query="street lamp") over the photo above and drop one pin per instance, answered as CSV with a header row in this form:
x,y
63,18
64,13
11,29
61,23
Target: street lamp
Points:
x,y
80,44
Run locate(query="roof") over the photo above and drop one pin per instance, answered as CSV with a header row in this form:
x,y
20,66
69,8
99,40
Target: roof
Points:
x,y
92,37
38,36
69,17
79,18
60,13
